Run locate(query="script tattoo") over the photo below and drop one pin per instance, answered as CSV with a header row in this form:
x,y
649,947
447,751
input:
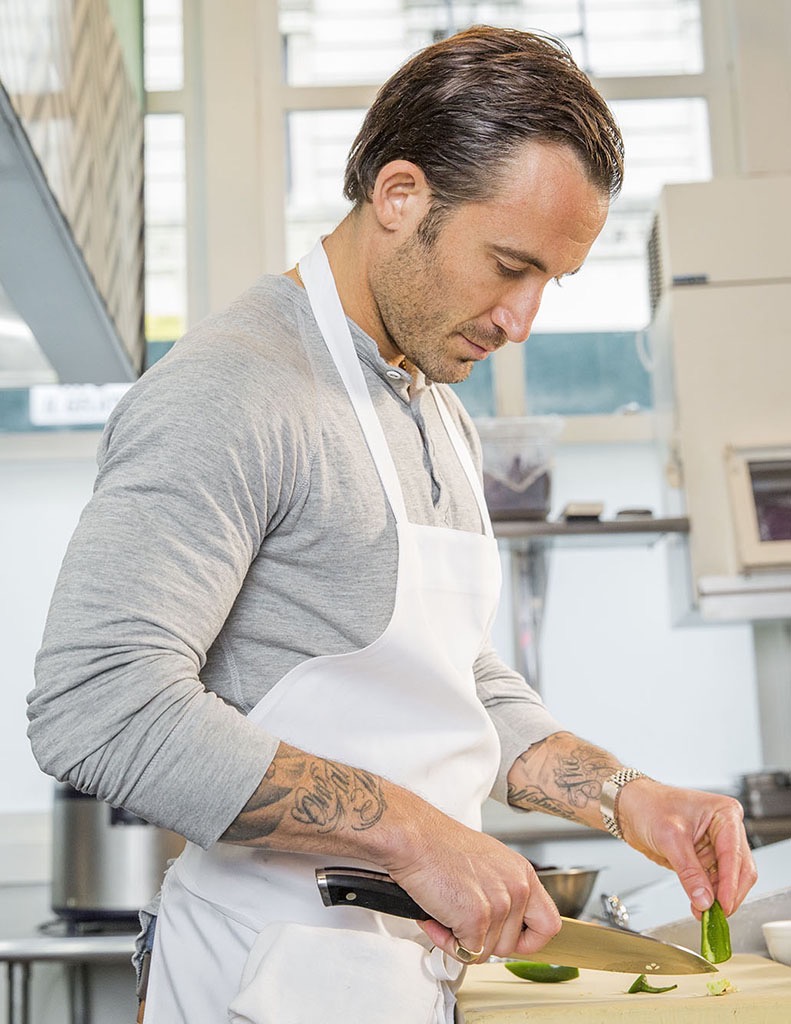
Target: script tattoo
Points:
x,y
560,775
533,798
580,773
313,792
338,795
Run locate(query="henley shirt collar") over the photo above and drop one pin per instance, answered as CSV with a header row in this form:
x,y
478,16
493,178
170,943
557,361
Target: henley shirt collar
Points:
x,y
408,386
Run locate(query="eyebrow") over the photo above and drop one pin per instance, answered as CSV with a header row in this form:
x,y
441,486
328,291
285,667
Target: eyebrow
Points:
x,y
525,257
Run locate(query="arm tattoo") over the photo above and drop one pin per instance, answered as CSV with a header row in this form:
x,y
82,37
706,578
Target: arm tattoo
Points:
x,y
338,795
533,798
580,773
323,795
560,775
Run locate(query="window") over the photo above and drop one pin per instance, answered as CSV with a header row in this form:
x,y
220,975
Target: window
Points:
x,y
166,286
163,45
586,352
165,176
317,144
322,41
586,355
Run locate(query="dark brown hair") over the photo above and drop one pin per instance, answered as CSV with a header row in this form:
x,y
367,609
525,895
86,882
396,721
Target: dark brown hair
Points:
x,y
460,109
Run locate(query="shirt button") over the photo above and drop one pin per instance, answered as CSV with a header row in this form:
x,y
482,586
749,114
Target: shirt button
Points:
x,y
394,375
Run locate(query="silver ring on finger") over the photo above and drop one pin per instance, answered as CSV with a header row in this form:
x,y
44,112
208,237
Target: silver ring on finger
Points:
x,y
467,956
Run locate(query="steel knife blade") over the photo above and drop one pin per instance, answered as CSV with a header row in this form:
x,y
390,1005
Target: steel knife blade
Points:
x,y
577,944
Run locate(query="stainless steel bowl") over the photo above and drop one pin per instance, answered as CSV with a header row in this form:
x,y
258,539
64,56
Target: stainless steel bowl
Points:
x,y
570,888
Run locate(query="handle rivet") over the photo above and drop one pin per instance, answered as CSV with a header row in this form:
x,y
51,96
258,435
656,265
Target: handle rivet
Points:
x,y
351,896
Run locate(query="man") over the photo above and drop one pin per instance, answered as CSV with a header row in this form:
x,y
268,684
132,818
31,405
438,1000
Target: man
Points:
x,y
270,632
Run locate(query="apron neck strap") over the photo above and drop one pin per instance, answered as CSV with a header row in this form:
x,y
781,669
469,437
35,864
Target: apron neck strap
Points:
x,y
464,457
327,309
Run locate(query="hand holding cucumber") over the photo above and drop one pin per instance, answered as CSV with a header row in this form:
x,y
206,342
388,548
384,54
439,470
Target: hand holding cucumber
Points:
x,y
700,836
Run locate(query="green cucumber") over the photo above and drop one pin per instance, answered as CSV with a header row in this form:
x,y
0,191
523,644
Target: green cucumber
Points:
x,y
533,970
640,984
715,935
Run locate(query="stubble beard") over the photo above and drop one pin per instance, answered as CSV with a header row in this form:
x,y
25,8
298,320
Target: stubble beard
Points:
x,y
407,290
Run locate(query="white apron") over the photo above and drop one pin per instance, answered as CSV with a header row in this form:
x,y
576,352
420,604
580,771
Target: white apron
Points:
x,y
242,934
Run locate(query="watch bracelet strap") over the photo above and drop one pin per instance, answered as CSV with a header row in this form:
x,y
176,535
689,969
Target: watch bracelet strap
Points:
x,y
608,801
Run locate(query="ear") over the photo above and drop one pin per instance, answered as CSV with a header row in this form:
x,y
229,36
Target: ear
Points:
x,y
401,196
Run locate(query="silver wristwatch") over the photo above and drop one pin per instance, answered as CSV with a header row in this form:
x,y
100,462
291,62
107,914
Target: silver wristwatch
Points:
x,y
609,798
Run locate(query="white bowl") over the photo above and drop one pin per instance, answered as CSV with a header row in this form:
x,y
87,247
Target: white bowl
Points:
x,y
777,935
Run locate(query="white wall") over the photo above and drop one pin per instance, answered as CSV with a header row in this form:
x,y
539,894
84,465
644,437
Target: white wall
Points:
x,y
680,703
44,481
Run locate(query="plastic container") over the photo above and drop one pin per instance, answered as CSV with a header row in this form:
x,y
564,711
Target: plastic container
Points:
x,y
517,464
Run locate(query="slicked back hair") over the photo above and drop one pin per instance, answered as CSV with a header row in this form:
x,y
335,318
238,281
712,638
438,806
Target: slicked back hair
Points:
x,y
462,108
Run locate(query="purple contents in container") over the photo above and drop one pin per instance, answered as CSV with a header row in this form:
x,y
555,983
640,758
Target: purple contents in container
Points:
x,y
517,464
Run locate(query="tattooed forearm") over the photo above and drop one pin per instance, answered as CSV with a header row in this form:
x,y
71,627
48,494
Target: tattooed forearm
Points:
x,y
307,791
561,775
579,774
338,795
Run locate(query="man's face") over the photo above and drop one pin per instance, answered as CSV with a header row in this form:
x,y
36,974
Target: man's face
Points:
x,y
447,304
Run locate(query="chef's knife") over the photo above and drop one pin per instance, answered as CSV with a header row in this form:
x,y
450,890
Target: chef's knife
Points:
x,y
577,944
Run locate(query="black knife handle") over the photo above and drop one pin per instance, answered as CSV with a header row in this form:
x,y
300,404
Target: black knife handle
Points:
x,y
372,890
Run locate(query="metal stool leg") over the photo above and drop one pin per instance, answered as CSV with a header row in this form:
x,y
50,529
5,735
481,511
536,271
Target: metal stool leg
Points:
x,y
18,992
79,993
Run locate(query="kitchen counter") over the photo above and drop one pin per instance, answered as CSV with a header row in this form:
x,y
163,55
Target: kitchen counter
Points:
x,y
491,995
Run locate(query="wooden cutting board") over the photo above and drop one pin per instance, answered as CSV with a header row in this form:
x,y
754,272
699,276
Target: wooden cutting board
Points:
x,y
492,995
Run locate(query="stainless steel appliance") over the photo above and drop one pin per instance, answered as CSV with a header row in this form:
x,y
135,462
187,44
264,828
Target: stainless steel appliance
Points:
x,y
767,794
106,862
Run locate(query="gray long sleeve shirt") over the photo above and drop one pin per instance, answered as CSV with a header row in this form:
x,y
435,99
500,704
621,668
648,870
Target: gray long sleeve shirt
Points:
x,y
237,528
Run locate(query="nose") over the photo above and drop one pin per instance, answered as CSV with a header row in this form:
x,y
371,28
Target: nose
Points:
x,y
517,310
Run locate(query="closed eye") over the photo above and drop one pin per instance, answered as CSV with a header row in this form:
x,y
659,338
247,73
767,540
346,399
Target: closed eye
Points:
x,y
508,271
505,271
